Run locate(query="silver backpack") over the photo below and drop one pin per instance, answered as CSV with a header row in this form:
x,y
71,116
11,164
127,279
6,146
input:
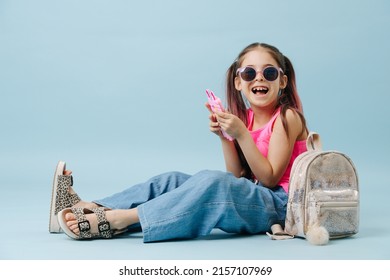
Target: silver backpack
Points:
x,y
323,201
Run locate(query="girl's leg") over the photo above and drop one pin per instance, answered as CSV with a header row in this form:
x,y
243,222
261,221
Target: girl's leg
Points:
x,y
207,200
125,213
212,199
141,193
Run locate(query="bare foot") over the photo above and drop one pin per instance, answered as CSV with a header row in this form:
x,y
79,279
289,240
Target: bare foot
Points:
x,y
119,219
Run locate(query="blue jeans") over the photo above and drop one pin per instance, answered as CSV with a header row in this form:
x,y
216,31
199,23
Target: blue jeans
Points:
x,y
179,206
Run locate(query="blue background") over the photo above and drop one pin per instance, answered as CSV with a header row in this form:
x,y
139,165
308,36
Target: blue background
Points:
x,y
116,89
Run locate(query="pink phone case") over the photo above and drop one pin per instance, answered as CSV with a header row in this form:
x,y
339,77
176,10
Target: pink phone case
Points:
x,y
216,105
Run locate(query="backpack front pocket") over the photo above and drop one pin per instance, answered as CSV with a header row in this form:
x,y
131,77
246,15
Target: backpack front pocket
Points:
x,y
340,218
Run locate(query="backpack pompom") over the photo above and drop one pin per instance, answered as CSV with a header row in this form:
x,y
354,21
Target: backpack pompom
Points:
x,y
317,235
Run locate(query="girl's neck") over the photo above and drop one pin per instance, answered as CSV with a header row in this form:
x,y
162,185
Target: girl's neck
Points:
x,y
261,116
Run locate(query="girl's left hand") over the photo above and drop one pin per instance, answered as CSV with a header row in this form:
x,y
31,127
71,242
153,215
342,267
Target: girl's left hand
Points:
x,y
231,124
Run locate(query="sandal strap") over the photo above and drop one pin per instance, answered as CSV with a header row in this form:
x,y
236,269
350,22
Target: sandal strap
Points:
x,y
66,179
62,195
104,227
83,223
74,198
63,198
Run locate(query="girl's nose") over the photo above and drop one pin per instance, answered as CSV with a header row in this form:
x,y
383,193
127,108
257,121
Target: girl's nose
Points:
x,y
259,76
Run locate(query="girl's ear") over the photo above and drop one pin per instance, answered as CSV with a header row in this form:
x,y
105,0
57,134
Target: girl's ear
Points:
x,y
283,81
237,83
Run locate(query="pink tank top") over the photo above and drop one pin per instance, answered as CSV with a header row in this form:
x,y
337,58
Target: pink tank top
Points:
x,y
262,137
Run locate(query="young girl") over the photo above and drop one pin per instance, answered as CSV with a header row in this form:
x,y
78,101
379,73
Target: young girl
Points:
x,y
265,119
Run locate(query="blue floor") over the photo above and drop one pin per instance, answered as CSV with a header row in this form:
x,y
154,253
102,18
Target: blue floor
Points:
x,y
26,203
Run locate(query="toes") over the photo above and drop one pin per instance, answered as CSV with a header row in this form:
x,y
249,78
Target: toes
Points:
x,y
73,226
72,223
70,217
67,172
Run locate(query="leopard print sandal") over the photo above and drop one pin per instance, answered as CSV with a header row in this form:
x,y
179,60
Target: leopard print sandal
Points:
x,y
61,198
104,228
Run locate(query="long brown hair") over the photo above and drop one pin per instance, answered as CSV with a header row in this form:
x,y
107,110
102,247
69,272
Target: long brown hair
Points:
x,y
287,99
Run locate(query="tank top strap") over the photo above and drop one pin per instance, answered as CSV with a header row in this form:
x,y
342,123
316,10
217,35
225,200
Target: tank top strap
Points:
x,y
270,124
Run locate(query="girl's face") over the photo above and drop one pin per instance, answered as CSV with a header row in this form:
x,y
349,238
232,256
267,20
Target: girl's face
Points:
x,y
260,92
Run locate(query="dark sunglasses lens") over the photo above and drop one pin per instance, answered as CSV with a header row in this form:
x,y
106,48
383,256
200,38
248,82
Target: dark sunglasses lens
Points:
x,y
248,74
270,73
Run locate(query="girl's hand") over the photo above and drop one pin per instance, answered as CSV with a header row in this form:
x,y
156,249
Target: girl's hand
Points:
x,y
231,124
214,125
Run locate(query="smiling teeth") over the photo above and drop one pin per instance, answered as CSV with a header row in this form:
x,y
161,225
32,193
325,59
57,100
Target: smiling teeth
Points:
x,y
263,90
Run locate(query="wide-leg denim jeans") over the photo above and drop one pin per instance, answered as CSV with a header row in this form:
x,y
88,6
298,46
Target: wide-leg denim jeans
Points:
x,y
175,205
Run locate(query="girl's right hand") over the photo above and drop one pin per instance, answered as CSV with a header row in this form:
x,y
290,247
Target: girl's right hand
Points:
x,y
214,125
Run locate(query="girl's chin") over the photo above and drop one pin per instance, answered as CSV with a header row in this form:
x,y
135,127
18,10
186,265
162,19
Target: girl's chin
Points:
x,y
262,102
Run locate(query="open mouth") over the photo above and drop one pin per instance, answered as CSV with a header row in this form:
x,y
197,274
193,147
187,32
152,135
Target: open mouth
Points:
x,y
260,90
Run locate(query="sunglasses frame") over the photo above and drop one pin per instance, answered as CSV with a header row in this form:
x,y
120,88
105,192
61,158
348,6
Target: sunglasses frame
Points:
x,y
241,69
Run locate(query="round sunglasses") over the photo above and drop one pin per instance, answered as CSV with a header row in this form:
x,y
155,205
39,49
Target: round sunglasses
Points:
x,y
248,73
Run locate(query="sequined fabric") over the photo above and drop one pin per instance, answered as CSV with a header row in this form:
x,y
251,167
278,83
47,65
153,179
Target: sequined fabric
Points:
x,y
323,191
